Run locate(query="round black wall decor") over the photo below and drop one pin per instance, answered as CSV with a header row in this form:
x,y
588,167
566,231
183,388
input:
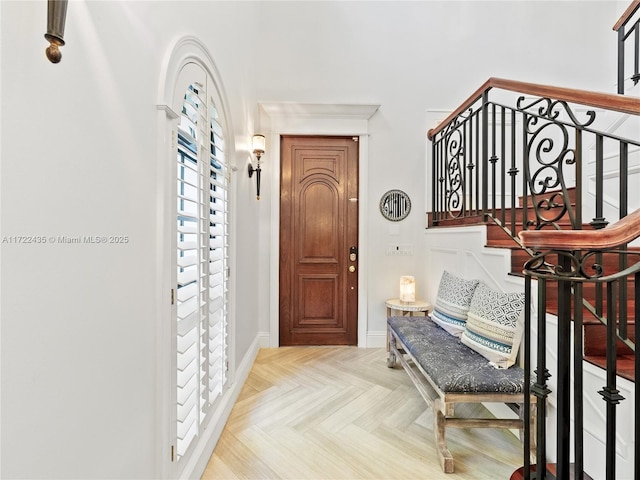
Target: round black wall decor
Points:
x,y
395,205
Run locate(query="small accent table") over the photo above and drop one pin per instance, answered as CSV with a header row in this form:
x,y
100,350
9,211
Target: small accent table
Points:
x,y
407,308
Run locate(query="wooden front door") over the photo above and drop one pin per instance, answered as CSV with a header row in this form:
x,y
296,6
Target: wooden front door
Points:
x,y
319,241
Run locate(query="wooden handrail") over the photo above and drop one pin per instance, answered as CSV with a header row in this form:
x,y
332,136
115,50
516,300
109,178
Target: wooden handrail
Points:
x,y
617,103
631,9
623,231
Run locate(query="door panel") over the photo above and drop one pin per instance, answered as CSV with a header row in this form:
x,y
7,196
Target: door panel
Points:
x,y
318,231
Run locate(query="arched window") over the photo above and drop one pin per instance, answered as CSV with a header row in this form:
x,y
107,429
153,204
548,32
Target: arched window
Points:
x,y
194,329
201,261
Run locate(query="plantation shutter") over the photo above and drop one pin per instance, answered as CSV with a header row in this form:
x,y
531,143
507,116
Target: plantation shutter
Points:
x,y
201,255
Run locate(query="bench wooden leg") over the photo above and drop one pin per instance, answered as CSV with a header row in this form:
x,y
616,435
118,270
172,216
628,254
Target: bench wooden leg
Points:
x,y
532,431
391,360
444,455
391,348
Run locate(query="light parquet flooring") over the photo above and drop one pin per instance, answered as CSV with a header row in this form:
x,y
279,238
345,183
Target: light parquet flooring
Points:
x,y
340,413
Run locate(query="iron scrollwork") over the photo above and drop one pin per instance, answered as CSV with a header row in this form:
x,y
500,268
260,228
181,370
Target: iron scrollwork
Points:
x,y
547,265
548,151
454,137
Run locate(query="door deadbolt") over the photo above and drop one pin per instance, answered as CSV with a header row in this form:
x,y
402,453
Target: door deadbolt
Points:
x,y
353,254
352,269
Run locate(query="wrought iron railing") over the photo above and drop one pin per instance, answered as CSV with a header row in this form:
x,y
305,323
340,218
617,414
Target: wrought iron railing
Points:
x,y
628,28
526,148
538,159
571,259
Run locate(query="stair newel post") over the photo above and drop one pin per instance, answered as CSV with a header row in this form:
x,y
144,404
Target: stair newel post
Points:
x,y
540,389
442,158
578,401
610,393
578,188
621,38
485,154
434,182
503,173
636,415
599,221
467,206
622,257
527,378
478,168
493,159
526,172
513,172
563,386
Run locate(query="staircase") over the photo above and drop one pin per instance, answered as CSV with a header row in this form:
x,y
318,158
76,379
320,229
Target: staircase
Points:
x,y
517,163
594,332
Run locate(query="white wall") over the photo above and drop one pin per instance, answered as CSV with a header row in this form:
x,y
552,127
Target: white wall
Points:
x,y
79,378
409,57
78,154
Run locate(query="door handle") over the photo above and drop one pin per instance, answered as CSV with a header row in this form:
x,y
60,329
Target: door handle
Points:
x,y
352,268
353,254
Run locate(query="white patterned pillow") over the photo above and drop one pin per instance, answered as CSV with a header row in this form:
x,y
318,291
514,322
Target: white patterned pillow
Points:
x,y
494,325
452,302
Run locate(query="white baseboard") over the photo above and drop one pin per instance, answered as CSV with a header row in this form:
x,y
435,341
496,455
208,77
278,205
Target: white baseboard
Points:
x,y
199,460
376,340
264,340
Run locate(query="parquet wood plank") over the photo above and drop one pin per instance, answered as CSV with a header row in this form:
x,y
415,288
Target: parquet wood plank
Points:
x,y
340,413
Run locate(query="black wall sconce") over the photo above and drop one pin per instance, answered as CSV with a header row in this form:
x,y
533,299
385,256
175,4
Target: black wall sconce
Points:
x,y
258,144
56,17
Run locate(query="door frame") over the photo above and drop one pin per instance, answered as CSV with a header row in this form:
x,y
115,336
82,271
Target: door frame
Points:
x,y
287,118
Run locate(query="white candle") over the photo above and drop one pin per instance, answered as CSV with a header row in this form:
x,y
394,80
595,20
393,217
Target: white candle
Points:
x,y
407,289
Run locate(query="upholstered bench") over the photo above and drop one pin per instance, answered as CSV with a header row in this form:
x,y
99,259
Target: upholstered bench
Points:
x,y
446,372
464,353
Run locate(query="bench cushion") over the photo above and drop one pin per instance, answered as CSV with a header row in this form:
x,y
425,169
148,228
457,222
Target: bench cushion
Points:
x,y
494,325
453,366
452,302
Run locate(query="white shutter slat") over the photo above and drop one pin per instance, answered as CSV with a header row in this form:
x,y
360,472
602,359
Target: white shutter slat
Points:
x,y
216,278
187,258
187,167
182,398
216,242
186,405
216,255
187,246
186,182
185,356
187,307
216,230
216,267
188,375
186,292
215,317
187,228
185,325
187,276
188,423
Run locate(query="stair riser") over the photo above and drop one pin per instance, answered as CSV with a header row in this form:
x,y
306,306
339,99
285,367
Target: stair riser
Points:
x,y
595,337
